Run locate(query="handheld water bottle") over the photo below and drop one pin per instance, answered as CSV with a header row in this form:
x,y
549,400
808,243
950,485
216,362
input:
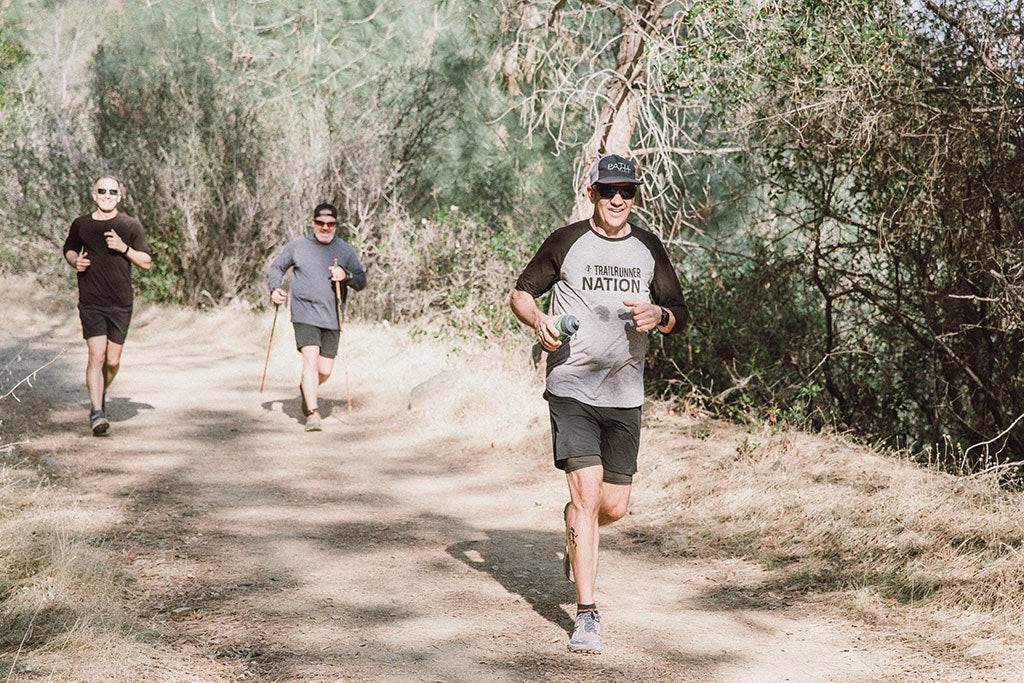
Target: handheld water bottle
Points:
x,y
566,326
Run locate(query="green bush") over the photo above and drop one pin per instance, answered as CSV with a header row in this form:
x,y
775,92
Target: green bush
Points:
x,y
750,349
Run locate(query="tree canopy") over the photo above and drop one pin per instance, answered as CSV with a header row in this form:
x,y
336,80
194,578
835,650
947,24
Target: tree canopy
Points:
x,y
839,183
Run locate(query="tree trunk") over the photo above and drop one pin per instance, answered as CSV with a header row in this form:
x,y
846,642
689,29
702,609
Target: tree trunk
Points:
x,y
622,93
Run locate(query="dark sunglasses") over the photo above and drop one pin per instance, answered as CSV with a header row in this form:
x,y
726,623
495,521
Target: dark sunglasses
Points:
x,y
103,190
609,191
324,224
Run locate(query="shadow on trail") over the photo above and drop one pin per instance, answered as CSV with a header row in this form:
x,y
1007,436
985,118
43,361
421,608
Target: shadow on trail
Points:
x,y
122,409
763,597
768,592
292,407
527,564
35,370
28,357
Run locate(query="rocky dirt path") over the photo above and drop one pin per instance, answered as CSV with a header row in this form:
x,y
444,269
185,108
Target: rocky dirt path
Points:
x,y
400,543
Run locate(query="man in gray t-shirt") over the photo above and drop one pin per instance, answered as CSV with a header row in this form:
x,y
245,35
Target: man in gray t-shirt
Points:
x,y
617,280
318,261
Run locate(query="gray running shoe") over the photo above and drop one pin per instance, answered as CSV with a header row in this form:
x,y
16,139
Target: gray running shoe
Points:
x,y
586,637
99,422
313,423
566,562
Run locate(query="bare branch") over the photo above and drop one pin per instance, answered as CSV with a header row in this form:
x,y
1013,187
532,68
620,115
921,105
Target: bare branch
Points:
x,y
28,378
621,11
682,151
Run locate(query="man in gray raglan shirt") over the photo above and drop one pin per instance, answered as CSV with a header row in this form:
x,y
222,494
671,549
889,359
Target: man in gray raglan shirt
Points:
x,y
616,278
317,260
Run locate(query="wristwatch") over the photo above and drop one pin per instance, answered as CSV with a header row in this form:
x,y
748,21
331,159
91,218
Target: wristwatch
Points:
x,y
664,317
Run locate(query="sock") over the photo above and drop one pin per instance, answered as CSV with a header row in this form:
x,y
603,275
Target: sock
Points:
x,y
585,608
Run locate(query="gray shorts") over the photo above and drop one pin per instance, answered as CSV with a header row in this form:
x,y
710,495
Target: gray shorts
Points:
x,y
584,435
311,335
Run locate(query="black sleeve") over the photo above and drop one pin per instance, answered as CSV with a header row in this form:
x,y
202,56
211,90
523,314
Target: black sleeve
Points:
x,y
545,268
73,242
138,240
665,288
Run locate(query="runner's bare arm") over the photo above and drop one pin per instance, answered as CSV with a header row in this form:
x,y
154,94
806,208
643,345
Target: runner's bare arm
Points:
x,y
526,309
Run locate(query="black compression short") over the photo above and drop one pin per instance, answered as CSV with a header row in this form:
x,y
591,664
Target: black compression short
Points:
x,y
580,433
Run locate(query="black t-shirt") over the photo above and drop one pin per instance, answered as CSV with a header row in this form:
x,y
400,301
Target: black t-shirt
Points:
x,y
108,279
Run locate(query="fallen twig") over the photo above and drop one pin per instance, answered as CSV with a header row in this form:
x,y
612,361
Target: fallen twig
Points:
x,y
29,377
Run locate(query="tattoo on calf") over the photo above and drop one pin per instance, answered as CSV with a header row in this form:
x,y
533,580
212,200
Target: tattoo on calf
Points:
x,y
572,536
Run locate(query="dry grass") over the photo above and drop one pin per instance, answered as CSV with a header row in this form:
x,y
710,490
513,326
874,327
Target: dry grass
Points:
x,y
934,557
62,608
449,272
61,605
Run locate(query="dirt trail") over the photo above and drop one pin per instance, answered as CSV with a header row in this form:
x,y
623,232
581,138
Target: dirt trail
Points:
x,y
400,543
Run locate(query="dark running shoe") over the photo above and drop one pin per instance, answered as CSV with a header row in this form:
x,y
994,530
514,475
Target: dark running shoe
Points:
x,y
566,562
99,422
586,637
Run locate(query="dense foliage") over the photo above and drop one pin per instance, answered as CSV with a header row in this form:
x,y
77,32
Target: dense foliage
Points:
x,y
228,124
839,183
887,157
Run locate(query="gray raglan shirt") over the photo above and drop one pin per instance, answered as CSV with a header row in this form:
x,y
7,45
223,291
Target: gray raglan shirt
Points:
x,y
590,276
312,290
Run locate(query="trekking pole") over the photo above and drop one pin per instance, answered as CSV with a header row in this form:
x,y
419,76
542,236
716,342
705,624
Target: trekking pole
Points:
x,y
341,333
269,344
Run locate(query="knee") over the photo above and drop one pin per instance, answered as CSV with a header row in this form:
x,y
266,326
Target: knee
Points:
x,y
97,358
111,363
613,512
586,507
324,376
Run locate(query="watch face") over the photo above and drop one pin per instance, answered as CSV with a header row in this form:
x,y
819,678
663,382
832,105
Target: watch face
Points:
x,y
664,317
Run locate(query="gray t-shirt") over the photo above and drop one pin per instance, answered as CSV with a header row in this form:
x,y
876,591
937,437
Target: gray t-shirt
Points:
x,y
590,276
312,292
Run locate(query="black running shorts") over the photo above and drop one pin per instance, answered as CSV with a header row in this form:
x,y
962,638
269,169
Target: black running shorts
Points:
x,y
311,335
579,432
105,321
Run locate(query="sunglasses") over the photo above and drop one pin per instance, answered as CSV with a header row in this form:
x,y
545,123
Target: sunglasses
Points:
x,y
609,191
324,224
103,190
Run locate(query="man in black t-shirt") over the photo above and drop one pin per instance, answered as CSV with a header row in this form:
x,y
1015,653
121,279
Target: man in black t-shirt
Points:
x,y
102,246
617,280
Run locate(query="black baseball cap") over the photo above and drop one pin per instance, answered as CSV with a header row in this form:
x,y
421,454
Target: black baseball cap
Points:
x,y
325,210
612,168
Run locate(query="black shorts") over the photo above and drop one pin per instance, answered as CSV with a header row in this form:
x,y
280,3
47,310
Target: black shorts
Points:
x,y
581,433
311,335
105,321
